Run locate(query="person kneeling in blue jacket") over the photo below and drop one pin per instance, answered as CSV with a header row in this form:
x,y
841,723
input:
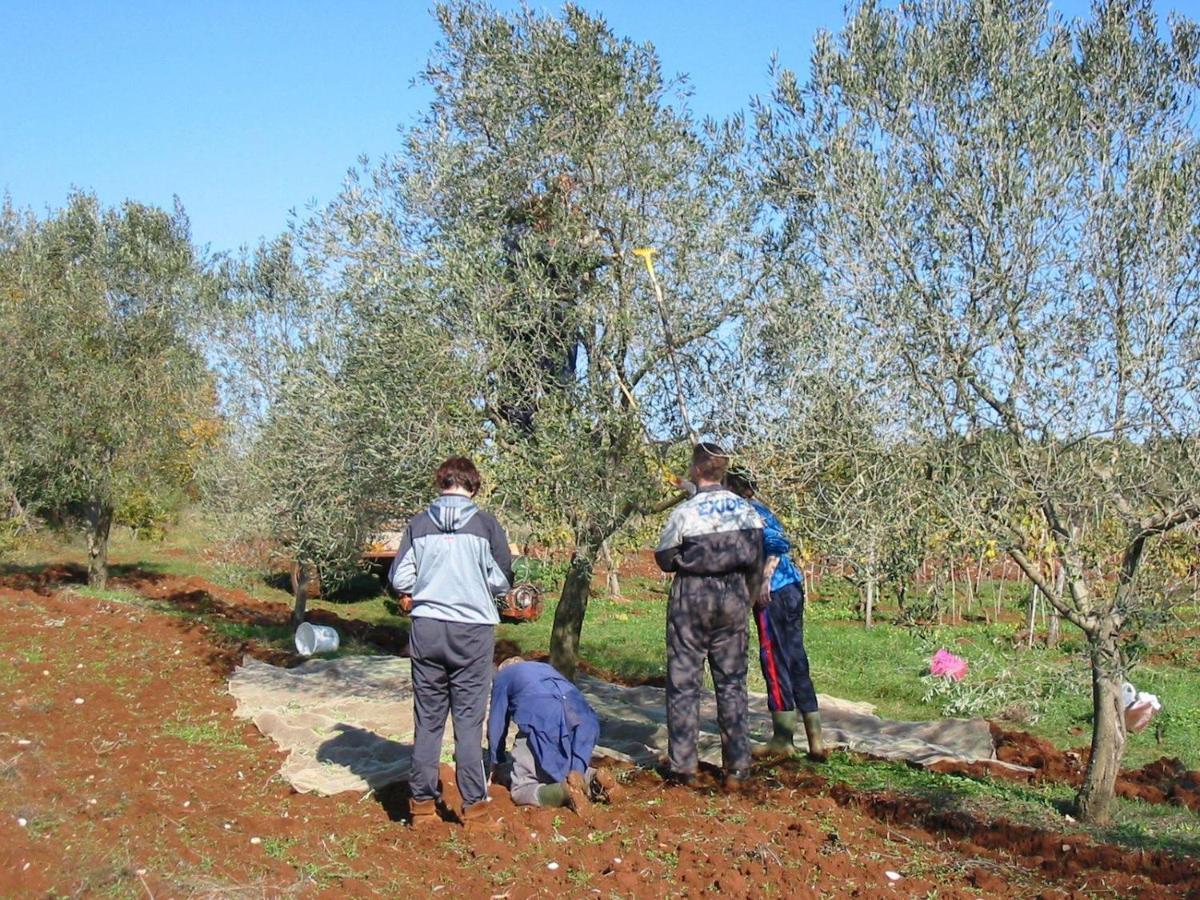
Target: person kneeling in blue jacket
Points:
x,y
550,762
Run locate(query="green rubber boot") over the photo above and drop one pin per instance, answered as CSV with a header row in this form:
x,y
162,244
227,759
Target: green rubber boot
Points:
x,y
816,744
781,742
553,795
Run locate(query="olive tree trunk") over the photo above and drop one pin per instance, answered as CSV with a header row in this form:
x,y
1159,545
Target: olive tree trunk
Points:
x,y
301,575
572,607
1094,801
99,525
612,575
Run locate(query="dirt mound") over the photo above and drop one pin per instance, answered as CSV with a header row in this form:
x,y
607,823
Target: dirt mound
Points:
x,y
1164,781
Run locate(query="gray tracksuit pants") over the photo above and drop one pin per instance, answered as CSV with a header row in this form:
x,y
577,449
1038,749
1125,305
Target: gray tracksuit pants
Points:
x,y
451,674
709,624
525,776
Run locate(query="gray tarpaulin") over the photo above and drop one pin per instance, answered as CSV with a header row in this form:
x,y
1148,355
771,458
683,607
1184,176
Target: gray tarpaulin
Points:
x,y
347,723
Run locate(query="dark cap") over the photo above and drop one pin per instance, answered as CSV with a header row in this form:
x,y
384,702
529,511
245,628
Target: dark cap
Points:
x,y
741,480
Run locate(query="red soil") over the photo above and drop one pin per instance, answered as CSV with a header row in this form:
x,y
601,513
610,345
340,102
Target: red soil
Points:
x,y
152,786
1163,781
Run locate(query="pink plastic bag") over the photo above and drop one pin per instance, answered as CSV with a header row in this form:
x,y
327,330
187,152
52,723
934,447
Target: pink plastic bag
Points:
x,y
947,665
1138,715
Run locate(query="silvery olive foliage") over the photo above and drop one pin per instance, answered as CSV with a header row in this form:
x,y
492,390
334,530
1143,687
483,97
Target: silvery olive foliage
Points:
x,y
339,411
104,398
1003,209
505,226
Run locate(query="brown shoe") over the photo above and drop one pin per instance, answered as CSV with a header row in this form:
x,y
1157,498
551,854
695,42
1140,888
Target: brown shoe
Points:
x,y
577,792
605,788
422,813
734,781
478,817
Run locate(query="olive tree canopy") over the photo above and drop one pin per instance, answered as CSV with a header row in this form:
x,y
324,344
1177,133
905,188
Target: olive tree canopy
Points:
x,y
551,150
102,391
1007,208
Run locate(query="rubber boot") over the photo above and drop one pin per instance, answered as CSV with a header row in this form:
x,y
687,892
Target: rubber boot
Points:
x,y
781,742
816,745
553,795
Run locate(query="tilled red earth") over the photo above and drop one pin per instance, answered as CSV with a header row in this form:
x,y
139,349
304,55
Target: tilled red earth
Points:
x,y
123,771
1165,780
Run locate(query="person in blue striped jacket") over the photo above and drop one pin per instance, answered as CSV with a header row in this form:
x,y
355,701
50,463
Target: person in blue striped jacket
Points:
x,y
779,615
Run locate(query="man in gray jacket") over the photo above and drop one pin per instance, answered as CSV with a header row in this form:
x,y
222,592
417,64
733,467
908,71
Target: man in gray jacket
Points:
x,y
454,561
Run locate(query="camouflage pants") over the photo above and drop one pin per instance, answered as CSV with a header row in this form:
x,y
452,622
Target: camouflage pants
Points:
x,y
707,624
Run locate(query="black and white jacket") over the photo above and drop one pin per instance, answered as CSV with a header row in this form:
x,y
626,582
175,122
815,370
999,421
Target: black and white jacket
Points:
x,y
714,541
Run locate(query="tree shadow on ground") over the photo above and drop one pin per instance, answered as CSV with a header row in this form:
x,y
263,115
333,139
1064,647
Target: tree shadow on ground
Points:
x,y
239,624
365,585
373,758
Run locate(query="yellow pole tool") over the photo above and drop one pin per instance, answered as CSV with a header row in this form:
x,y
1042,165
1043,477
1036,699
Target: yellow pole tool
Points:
x,y
646,254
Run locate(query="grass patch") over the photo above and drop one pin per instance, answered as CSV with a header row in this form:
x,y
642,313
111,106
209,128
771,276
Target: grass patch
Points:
x,y
276,635
107,595
1140,826
9,675
277,848
206,734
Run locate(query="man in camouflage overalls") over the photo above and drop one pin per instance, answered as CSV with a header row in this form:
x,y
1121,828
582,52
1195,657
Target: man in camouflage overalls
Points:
x,y
714,545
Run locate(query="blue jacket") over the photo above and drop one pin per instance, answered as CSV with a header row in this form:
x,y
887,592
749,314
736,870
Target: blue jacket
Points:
x,y
775,543
557,722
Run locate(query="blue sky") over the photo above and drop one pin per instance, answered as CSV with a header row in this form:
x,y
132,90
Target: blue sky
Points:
x,y
247,110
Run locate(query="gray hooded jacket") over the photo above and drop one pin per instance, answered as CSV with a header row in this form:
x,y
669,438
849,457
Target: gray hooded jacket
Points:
x,y
454,561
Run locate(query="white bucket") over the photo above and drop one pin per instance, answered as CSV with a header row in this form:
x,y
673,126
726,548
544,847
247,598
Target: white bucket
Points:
x,y
312,639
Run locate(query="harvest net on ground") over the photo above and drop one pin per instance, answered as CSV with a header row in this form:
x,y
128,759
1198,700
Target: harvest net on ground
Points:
x,y
347,723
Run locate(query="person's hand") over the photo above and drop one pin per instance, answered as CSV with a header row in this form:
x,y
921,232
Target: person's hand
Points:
x,y
688,487
763,600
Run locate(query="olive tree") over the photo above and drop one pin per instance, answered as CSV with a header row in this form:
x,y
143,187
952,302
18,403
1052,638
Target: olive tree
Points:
x,y
1008,207
101,385
339,410
550,151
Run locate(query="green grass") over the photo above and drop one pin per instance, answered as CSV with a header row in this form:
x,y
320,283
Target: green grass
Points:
x,y
626,637
277,848
1040,804
204,733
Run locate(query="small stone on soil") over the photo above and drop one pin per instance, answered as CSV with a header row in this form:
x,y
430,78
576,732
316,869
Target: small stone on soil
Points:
x,y
78,700
552,866
892,876
22,822
253,840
